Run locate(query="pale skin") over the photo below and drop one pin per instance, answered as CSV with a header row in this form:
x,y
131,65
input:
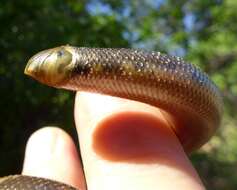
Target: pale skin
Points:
x,y
124,145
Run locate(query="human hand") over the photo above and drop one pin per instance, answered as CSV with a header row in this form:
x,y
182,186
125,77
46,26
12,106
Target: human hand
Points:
x,y
125,145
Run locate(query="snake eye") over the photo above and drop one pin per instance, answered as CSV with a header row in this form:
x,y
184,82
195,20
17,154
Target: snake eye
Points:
x,y
60,53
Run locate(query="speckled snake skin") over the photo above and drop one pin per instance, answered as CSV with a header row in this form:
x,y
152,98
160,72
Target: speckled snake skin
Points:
x,y
20,182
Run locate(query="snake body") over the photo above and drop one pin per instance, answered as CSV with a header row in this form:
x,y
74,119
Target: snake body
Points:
x,y
21,182
189,99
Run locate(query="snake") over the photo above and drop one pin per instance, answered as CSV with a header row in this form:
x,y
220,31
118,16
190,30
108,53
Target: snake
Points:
x,y
187,96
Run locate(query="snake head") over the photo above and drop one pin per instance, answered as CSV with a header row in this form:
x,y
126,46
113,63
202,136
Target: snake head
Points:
x,y
52,66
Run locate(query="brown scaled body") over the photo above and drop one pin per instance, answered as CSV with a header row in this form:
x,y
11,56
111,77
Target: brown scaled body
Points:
x,y
187,96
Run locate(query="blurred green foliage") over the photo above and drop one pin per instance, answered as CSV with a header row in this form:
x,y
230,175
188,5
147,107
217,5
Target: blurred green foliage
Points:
x,y
202,31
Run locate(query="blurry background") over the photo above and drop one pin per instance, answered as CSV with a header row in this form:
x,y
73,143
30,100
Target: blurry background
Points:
x,y
204,32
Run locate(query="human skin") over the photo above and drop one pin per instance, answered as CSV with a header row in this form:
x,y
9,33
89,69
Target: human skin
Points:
x,y
123,145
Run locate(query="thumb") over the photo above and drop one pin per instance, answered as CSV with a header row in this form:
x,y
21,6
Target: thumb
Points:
x,y
129,145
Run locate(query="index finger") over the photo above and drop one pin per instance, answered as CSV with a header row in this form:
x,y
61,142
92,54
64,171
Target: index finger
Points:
x,y
129,145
